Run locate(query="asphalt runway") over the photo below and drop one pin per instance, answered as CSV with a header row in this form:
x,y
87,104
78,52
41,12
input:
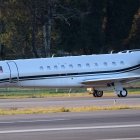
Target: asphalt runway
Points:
x,y
103,125
131,100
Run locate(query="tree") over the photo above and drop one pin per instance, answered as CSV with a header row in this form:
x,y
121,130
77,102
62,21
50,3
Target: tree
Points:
x,y
15,36
85,33
120,15
34,28
133,40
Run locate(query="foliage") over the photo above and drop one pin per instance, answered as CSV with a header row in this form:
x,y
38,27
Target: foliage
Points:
x,y
133,40
33,28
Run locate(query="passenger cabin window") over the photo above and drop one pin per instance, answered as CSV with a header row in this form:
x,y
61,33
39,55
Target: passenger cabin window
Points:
x,y
55,67
62,66
105,63
41,67
95,64
114,63
87,65
48,67
122,62
79,65
71,66
1,70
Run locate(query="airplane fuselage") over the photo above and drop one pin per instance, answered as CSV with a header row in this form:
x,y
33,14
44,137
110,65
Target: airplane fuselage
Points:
x,y
72,71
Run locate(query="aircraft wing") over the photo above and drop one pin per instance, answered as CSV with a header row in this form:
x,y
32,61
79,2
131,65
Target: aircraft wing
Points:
x,y
111,79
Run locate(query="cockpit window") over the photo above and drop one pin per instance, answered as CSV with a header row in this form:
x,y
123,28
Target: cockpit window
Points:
x,y
1,70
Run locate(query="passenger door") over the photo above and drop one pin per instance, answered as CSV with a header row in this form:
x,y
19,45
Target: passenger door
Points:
x,y
14,74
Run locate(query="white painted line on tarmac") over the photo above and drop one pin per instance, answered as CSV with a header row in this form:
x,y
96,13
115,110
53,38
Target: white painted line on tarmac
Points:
x,y
122,139
33,121
68,128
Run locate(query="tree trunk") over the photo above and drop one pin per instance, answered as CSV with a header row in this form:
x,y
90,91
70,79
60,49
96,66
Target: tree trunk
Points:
x,y
47,27
45,39
33,33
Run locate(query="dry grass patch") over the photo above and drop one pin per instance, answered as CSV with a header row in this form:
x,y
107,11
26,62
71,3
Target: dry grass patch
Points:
x,y
44,110
98,108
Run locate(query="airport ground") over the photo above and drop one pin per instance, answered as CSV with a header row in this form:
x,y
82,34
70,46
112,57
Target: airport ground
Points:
x,y
45,92
123,124
102,125
67,104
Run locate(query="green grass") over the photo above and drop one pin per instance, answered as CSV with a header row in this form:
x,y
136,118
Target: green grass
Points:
x,y
39,93
44,93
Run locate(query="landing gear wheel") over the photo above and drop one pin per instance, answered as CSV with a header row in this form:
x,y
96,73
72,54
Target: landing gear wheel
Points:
x,y
97,93
119,95
94,93
123,93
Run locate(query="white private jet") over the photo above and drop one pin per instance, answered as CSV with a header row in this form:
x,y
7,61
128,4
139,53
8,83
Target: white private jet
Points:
x,y
98,72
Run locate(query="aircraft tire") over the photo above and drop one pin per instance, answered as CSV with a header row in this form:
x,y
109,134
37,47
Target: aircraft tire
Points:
x,y
119,95
97,93
123,93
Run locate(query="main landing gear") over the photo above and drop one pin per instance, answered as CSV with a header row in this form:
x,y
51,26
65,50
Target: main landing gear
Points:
x,y
116,86
120,93
97,93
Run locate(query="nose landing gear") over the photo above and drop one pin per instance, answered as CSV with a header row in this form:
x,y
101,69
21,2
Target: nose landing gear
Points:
x,y
119,90
122,93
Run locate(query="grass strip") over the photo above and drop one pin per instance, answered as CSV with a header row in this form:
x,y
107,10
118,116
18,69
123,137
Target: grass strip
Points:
x,y
45,110
49,95
17,93
41,95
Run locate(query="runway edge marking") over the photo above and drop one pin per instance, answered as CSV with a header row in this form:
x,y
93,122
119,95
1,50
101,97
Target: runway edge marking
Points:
x,y
68,128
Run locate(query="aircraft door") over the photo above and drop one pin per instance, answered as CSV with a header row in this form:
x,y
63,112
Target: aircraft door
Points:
x,y
14,74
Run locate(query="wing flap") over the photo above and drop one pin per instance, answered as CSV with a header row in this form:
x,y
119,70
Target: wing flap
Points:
x,y
107,80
